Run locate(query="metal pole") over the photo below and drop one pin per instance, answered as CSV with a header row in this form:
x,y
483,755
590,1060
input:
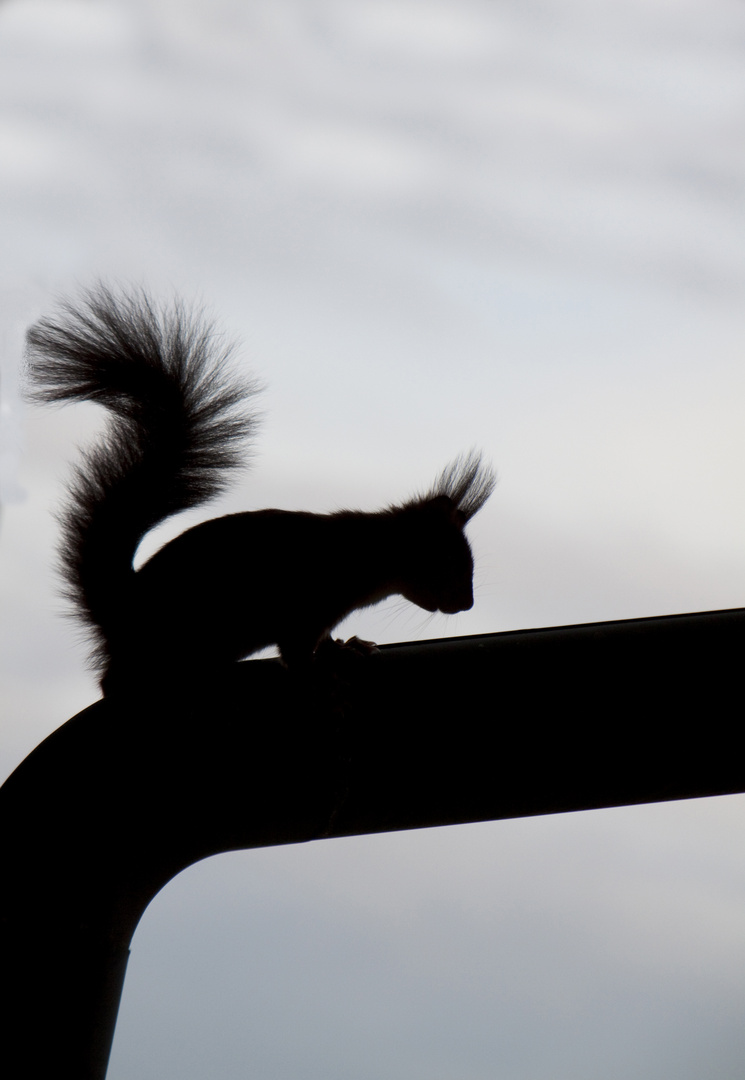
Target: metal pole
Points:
x,y
132,790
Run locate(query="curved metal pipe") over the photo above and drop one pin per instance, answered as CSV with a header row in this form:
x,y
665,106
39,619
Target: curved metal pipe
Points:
x,y
132,790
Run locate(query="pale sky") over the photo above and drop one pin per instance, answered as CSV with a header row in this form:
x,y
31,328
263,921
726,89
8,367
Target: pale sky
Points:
x,y
431,225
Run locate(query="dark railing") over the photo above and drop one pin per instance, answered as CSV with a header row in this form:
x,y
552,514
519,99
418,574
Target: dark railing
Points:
x,y
131,791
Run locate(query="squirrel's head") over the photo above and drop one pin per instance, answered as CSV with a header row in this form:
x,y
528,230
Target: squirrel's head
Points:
x,y
439,571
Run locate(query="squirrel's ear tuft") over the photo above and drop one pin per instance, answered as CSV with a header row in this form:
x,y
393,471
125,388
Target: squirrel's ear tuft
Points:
x,y
467,481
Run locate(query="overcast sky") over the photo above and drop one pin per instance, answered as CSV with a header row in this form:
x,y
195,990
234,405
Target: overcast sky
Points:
x,y
431,225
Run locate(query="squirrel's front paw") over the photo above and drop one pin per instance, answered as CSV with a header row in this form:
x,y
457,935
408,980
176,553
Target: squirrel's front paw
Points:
x,y
359,645
337,656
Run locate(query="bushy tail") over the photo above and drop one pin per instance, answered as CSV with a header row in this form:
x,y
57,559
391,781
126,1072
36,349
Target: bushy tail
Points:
x,y
176,431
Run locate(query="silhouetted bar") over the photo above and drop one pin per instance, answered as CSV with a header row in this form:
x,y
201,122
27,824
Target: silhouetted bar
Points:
x,y
131,791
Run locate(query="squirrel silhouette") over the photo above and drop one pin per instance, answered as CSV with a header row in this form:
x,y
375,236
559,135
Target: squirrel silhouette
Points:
x,y
220,591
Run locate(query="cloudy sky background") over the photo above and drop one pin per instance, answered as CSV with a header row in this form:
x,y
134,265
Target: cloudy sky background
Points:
x,y
431,225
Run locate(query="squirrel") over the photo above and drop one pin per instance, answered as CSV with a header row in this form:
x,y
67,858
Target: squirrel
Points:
x,y
230,586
